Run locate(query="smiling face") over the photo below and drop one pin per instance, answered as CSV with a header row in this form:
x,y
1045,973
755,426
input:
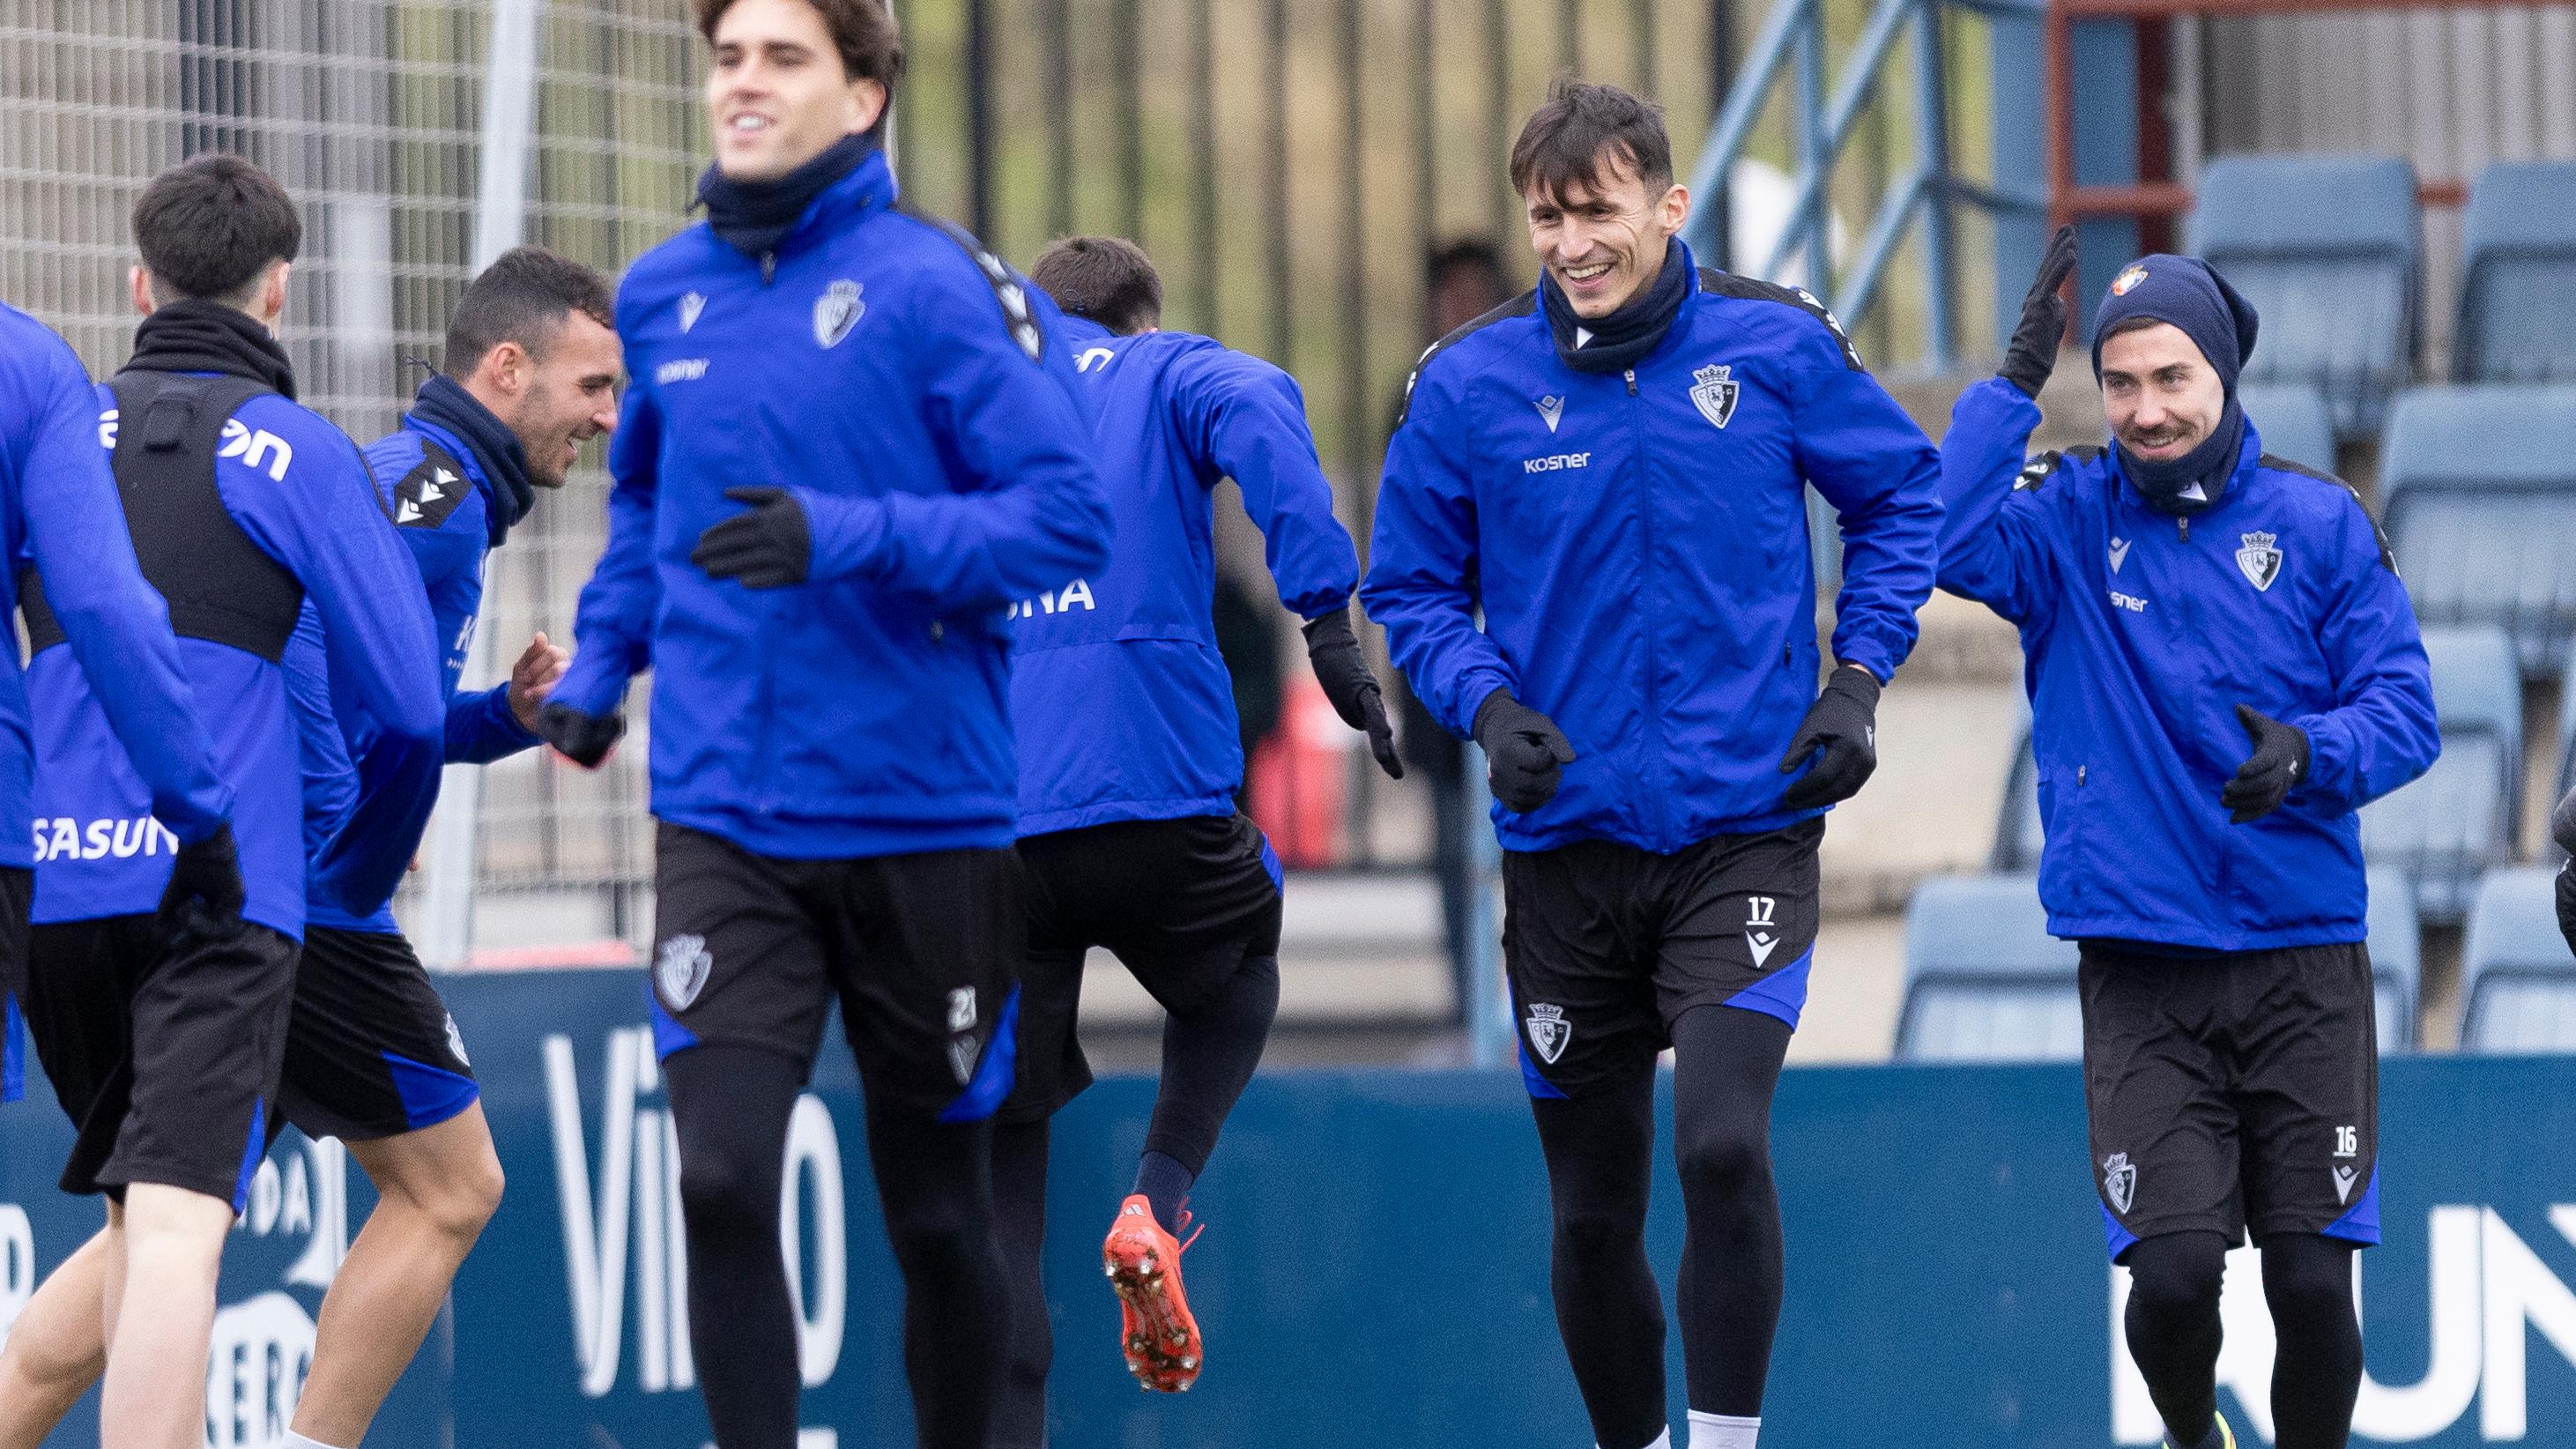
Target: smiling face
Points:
x,y
2161,397
1603,239
778,94
569,397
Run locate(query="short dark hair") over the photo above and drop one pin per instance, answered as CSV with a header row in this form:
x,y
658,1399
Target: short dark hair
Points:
x,y
1566,140
211,225
1104,278
1467,254
862,30
523,298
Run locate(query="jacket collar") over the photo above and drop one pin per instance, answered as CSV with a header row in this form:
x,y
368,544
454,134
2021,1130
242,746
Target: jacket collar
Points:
x,y
868,188
458,422
2239,480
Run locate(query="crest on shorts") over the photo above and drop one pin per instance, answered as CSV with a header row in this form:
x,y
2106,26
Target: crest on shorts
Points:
x,y
837,311
2259,559
1714,393
2119,1181
456,1042
682,968
1549,1031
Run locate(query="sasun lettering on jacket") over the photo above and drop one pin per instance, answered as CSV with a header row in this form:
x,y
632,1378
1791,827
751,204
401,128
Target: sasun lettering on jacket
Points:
x,y
64,838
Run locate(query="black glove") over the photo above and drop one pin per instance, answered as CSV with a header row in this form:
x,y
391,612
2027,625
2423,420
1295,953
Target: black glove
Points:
x,y
1525,753
207,875
1334,651
584,739
2033,353
768,547
2279,763
1841,731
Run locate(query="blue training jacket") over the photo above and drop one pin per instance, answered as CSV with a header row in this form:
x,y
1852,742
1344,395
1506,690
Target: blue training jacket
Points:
x,y
2141,633
1638,544
917,397
59,513
439,493
1124,708
298,489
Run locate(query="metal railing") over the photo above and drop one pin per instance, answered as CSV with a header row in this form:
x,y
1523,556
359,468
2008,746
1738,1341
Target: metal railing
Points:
x,y
1822,124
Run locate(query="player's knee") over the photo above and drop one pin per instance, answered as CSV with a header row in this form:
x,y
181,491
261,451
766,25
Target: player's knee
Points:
x,y
1599,1227
1722,1156
939,1233
723,1191
2176,1277
469,1197
2307,1280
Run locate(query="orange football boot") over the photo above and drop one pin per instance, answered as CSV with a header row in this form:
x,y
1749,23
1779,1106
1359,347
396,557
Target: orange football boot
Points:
x,y
1155,1329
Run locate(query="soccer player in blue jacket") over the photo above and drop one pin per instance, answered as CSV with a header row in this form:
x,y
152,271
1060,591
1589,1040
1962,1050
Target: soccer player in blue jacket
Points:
x,y
372,1056
60,523
1129,763
243,507
2223,669
848,449
1614,470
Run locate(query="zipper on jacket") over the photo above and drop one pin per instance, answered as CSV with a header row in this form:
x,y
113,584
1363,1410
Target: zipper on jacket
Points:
x,y
1652,756
2183,524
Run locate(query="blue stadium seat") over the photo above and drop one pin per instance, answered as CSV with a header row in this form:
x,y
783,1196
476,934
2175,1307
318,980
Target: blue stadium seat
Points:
x,y
1984,980
2396,959
2328,249
2518,275
2451,826
2294,421
2516,973
2478,492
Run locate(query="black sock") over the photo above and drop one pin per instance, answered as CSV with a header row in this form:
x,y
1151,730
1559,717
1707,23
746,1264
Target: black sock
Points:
x,y
1019,1211
935,1182
1165,1184
1209,1054
730,1107
2316,1376
2173,1329
1726,1063
1600,1149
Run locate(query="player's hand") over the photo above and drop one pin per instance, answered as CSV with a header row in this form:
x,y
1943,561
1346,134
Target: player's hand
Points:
x,y
1841,732
2278,764
541,665
584,739
206,876
1525,753
2033,353
1334,651
770,546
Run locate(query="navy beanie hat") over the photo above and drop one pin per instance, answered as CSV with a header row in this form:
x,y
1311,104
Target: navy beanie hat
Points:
x,y
2187,293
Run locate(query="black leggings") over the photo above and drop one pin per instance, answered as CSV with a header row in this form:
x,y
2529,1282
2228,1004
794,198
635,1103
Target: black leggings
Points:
x,y
1208,1058
730,1106
1600,1155
2173,1329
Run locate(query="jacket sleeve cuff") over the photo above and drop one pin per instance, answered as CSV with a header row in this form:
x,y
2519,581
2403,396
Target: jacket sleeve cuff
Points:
x,y
592,685
848,534
195,816
2329,760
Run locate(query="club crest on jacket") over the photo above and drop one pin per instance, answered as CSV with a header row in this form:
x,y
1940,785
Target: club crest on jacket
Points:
x,y
1713,392
837,311
2259,559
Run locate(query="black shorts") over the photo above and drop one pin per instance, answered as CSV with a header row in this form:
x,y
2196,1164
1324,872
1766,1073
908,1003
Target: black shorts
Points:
x,y
750,950
164,1051
1181,903
370,1050
17,894
2232,1092
1607,945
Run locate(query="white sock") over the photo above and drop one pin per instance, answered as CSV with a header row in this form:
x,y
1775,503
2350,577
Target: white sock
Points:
x,y
1722,1431
1663,1440
298,1441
